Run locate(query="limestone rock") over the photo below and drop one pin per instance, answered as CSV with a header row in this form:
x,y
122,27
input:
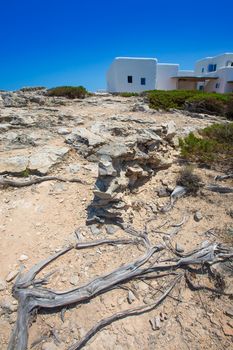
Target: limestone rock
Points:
x,y
170,129
14,164
46,157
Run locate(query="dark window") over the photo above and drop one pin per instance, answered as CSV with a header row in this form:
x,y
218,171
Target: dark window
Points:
x,y
212,67
203,69
143,81
201,87
130,79
217,86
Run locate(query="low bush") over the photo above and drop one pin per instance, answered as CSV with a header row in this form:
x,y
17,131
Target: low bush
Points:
x,y
32,88
193,101
188,179
70,92
127,94
166,100
205,104
213,146
229,109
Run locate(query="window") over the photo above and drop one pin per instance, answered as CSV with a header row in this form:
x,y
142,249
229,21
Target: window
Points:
x,y
201,88
130,79
229,64
212,67
217,86
143,81
203,69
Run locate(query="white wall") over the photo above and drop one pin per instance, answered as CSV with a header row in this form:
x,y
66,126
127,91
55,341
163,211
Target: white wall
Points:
x,y
159,75
221,61
165,72
122,67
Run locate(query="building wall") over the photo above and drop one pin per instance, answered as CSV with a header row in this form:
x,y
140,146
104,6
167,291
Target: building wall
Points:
x,y
186,85
221,61
165,72
121,68
160,76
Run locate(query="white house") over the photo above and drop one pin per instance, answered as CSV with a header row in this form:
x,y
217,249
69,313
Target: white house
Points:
x,y
130,74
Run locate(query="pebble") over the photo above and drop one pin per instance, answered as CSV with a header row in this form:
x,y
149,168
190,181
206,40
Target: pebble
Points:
x,y
23,257
162,192
111,229
74,280
155,323
179,249
198,216
7,306
11,275
131,297
94,229
229,312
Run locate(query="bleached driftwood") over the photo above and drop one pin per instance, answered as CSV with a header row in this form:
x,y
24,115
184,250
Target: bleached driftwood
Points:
x,y
36,180
32,296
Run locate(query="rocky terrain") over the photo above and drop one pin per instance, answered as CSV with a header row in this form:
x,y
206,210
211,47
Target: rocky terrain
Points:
x,y
121,163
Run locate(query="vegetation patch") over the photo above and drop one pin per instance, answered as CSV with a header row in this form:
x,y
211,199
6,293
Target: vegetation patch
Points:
x,y
128,94
193,101
213,145
188,179
70,92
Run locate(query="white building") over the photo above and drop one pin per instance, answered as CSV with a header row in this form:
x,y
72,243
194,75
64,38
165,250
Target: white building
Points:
x,y
130,74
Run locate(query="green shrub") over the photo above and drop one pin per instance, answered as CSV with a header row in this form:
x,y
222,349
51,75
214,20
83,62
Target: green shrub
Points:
x,y
229,109
68,92
188,179
214,145
193,101
127,94
206,105
159,99
32,88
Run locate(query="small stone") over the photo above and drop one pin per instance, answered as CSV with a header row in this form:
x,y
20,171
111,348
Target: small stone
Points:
x,y
179,249
198,216
74,280
229,312
2,284
11,275
94,229
7,307
162,192
23,257
131,297
155,323
111,229
63,131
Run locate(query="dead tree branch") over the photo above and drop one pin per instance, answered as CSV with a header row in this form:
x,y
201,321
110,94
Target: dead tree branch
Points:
x,y
36,180
32,296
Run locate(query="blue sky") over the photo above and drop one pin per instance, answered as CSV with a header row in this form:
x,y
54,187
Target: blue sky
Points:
x,y
58,42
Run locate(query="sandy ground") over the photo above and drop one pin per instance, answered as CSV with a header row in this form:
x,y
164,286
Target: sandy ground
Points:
x,y
38,220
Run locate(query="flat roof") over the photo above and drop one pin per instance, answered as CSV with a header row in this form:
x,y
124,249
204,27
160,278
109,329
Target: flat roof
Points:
x,y
194,78
136,58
